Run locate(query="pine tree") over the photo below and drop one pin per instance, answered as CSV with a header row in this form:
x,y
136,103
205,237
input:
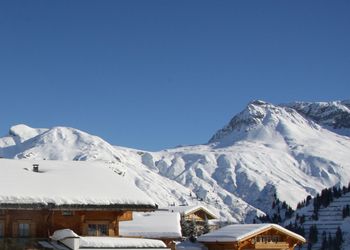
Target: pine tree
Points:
x,y
308,199
185,227
338,239
330,240
206,228
192,231
313,234
324,245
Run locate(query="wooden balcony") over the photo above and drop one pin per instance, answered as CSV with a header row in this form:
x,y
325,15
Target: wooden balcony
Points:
x,y
271,245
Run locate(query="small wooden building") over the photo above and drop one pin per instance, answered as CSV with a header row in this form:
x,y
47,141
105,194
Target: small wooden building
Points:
x,y
251,236
198,213
87,197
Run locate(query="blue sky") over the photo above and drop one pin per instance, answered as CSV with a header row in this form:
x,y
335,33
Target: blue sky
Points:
x,y
156,74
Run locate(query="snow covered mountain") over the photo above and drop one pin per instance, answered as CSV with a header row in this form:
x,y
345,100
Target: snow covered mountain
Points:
x,y
331,115
266,149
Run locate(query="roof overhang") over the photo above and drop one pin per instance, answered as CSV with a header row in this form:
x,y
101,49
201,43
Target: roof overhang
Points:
x,y
210,214
277,228
92,207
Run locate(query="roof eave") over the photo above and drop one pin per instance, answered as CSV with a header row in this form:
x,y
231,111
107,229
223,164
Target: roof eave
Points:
x,y
92,207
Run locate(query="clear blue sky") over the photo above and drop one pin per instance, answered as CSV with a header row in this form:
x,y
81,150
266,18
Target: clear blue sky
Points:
x,y
156,74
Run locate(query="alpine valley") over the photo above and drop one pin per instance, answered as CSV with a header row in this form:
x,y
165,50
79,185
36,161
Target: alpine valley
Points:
x,y
287,151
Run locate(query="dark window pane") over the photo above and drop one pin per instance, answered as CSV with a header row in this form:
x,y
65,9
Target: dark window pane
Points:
x,y
23,229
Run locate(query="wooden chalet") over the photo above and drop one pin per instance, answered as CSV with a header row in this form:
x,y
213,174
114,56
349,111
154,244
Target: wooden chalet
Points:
x,y
251,236
87,197
198,214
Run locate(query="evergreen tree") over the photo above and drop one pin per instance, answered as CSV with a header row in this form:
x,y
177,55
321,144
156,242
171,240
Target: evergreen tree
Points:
x,y
330,240
192,231
185,227
313,234
324,245
338,239
308,199
309,246
206,228
344,190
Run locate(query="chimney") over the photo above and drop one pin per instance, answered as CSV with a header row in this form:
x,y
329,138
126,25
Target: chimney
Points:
x,y
36,168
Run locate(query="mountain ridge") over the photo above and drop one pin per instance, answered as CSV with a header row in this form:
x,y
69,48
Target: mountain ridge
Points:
x,y
264,150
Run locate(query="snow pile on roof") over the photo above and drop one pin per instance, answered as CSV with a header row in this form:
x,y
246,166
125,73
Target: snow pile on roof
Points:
x,y
113,242
159,224
190,209
66,183
238,232
63,234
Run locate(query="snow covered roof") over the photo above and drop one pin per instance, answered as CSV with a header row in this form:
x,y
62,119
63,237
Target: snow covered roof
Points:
x,y
188,245
159,224
191,209
74,241
63,234
115,242
238,232
66,184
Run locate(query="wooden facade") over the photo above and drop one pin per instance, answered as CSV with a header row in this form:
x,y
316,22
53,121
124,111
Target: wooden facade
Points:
x,y
271,239
198,216
35,223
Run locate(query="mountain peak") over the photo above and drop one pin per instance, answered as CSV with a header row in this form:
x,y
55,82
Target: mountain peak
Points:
x,y
258,103
250,117
24,132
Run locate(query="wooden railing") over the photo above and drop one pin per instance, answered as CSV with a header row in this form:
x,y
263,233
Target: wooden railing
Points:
x,y
271,245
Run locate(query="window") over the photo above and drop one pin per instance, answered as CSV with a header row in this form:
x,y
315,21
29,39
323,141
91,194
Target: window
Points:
x,y
267,238
23,229
67,213
275,238
1,229
97,229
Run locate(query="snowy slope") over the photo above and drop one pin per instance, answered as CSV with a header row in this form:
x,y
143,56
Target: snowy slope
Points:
x,y
263,150
329,219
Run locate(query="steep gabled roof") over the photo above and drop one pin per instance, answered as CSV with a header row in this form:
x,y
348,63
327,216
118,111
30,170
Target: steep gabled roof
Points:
x,y
191,209
239,232
67,185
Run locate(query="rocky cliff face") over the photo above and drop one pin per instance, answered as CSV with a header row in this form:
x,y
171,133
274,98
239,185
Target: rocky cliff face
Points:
x,y
333,115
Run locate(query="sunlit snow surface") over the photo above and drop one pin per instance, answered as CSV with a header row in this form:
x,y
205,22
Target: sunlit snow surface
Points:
x,y
159,224
112,242
66,183
238,232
